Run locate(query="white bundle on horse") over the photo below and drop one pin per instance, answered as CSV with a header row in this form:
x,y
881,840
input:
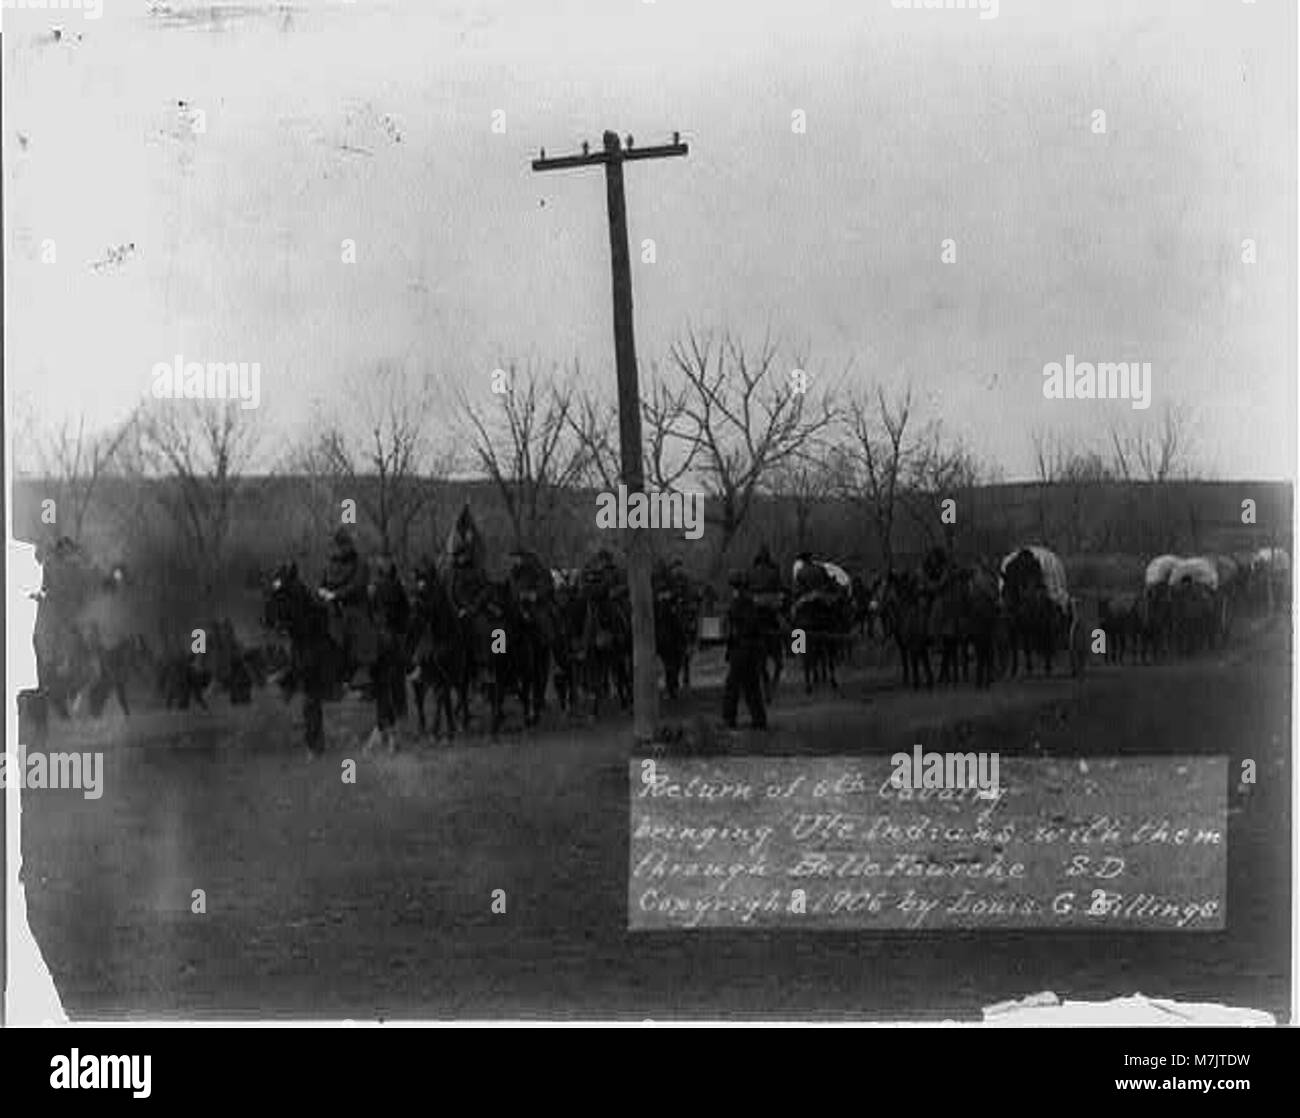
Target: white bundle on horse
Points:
x,y
1159,568
1273,559
1199,570
836,573
565,578
1053,573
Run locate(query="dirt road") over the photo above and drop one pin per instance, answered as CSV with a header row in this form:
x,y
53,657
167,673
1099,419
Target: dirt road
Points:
x,y
328,899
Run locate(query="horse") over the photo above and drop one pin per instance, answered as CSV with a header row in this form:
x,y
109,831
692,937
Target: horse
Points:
x,y
567,650
965,618
502,649
1123,618
1036,621
319,664
230,667
537,630
607,646
820,615
905,614
182,678
1195,614
440,653
74,661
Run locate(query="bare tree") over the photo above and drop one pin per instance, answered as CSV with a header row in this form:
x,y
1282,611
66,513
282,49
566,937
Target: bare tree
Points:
x,y
805,482
1067,474
666,458
201,448
1154,453
734,417
937,468
593,422
73,461
529,449
380,454
881,453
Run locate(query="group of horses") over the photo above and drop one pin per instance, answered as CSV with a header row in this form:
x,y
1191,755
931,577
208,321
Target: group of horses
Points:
x,y
1190,605
957,613
1020,611
512,638
537,629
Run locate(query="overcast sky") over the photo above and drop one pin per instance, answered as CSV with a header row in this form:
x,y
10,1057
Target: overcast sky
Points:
x,y
921,126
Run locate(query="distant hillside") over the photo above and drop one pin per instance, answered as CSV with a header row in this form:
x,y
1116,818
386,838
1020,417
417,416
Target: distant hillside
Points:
x,y
283,517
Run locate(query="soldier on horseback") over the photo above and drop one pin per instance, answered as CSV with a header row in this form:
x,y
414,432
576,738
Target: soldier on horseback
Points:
x,y
530,579
345,587
810,577
606,639
469,583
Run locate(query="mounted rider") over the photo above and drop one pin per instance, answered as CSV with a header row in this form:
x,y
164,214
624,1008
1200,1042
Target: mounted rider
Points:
x,y
391,606
530,579
810,577
533,590
469,585
345,587
604,586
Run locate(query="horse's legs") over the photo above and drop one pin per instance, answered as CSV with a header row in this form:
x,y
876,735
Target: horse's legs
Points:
x,y
313,722
119,689
498,700
418,688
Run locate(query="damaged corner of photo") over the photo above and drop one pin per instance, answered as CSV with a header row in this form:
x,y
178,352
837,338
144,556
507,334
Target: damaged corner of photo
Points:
x,y
31,997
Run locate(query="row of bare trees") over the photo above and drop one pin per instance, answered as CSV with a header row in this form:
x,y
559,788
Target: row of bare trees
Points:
x,y
1068,471
185,463
733,422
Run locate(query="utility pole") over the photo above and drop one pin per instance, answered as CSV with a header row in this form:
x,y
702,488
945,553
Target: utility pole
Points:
x,y
645,697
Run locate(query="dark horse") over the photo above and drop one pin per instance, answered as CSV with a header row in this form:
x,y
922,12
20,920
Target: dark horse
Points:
x,y
440,652
607,646
822,618
319,666
965,618
504,653
1036,622
905,614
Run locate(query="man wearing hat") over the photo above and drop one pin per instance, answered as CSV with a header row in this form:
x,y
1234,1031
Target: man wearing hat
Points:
x,y
744,656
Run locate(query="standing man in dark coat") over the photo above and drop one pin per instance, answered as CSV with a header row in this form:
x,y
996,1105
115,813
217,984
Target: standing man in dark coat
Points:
x,y
744,657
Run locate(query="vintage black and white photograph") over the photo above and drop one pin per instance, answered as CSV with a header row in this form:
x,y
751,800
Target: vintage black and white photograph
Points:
x,y
623,510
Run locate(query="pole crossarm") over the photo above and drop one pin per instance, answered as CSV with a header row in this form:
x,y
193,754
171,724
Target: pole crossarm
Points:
x,y
610,154
559,163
